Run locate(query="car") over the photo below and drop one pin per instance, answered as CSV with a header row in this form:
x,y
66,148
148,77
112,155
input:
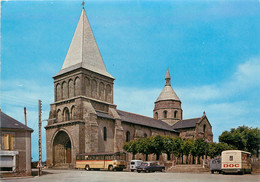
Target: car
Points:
x,y
215,165
134,164
149,167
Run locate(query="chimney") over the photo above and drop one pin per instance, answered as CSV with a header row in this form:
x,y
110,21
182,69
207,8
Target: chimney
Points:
x,y
25,118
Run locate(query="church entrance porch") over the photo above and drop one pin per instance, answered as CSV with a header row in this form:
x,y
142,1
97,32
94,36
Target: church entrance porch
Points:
x,y
61,149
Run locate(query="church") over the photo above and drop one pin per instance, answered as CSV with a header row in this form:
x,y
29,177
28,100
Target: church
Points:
x,y
83,117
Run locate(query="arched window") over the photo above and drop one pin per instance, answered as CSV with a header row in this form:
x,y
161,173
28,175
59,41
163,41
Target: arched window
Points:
x,y
64,90
127,136
58,92
204,130
145,135
59,116
66,114
71,89
101,91
156,115
108,93
105,133
87,84
94,88
77,87
72,112
165,114
175,114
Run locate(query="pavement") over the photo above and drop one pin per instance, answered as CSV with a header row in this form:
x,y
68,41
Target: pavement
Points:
x,y
51,175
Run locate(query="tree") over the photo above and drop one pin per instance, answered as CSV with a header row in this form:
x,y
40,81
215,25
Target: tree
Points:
x,y
144,146
187,147
131,147
178,149
242,138
157,145
200,148
168,145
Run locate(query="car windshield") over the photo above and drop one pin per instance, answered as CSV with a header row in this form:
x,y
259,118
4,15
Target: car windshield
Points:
x,y
144,164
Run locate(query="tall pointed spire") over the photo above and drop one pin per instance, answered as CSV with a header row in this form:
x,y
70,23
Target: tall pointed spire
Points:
x,y
168,78
83,50
168,93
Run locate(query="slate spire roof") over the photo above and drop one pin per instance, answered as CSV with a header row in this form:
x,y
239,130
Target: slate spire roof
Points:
x,y
168,93
83,50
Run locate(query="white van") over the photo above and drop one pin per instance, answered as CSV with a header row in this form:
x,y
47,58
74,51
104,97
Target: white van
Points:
x,y
134,164
235,161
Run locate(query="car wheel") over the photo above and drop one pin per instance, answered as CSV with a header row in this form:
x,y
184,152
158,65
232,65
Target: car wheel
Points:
x,y
87,168
110,168
163,170
132,170
138,171
147,171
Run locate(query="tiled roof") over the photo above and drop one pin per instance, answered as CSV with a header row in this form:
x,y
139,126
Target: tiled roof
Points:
x,y
168,93
83,50
104,115
144,120
11,123
187,123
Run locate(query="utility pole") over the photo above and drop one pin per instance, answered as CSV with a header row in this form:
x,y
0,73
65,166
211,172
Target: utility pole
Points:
x,y
40,138
25,117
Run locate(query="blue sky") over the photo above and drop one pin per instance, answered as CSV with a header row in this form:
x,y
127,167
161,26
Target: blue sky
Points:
x,y
212,49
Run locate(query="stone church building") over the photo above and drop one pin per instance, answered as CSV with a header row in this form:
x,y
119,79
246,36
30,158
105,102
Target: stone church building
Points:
x,y
83,118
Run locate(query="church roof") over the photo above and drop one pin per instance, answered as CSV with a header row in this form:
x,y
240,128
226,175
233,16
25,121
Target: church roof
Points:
x,y
187,123
168,93
83,51
8,122
144,120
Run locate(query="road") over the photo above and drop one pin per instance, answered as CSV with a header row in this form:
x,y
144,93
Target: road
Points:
x,y
106,176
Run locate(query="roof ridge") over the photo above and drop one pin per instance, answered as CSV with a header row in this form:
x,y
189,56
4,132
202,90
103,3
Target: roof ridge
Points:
x,y
140,115
191,118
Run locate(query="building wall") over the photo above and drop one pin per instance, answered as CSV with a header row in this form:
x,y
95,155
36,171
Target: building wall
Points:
x,y
22,144
108,145
198,131
76,134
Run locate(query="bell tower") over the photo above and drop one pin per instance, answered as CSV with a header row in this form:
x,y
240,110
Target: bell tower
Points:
x,y
167,107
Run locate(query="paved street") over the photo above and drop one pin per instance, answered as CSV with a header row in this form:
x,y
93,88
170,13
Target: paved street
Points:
x,y
106,176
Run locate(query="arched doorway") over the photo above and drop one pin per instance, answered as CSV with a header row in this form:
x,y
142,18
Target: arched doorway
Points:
x,y
61,148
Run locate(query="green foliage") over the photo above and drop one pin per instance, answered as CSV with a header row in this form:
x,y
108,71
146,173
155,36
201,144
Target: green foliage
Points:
x,y
215,149
242,138
131,147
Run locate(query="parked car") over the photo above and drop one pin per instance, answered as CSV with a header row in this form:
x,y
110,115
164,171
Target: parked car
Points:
x,y
149,167
134,164
215,165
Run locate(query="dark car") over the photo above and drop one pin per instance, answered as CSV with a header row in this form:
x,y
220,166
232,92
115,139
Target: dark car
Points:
x,y
149,167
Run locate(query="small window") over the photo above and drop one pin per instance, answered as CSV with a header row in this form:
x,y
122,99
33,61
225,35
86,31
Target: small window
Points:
x,y
231,158
165,114
105,134
156,115
175,114
127,136
8,142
